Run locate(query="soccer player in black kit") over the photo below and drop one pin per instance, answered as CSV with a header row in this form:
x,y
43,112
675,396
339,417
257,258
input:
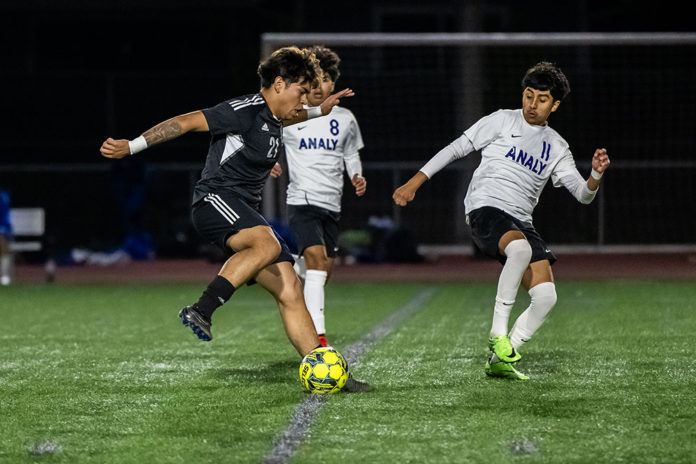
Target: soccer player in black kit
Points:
x,y
247,139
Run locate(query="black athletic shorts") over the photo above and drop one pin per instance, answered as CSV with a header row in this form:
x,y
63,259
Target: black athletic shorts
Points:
x,y
488,224
312,225
218,216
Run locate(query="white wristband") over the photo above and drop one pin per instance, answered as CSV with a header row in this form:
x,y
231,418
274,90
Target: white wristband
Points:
x,y
596,175
314,112
137,144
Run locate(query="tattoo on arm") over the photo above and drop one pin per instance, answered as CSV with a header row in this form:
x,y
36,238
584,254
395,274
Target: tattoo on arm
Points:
x,y
162,132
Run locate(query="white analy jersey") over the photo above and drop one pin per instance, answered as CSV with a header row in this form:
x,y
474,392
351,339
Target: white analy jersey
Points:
x,y
317,151
517,160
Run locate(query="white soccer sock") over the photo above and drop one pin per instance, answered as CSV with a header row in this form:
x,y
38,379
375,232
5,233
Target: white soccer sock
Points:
x,y
5,269
518,253
543,299
314,297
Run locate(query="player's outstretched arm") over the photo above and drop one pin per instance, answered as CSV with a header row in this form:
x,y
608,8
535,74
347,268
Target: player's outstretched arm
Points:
x,y
167,130
360,184
407,192
600,163
321,110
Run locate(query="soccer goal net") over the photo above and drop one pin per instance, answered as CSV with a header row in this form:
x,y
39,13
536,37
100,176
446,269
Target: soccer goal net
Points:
x,y
633,94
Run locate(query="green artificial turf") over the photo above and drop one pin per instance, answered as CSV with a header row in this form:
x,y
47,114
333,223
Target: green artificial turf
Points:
x,y
108,374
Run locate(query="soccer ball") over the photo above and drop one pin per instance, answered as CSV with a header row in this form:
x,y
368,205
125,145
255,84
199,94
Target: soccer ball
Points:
x,y
324,370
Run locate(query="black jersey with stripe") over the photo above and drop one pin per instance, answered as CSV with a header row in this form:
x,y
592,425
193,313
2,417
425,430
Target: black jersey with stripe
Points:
x,y
246,141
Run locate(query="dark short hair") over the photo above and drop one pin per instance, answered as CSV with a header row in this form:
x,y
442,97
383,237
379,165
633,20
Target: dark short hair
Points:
x,y
328,61
547,76
292,64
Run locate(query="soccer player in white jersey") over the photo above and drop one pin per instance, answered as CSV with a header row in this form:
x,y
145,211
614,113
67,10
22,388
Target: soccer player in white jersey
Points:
x,y
317,151
519,154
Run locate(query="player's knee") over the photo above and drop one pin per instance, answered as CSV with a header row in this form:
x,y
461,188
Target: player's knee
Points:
x,y
544,296
519,251
291,295
268,249
322,264
316,258
273,250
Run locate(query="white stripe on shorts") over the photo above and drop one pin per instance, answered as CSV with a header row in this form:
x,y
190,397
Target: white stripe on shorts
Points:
x,y
222,208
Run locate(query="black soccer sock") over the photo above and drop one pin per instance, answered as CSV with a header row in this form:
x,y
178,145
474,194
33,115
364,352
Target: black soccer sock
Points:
x,y
218,292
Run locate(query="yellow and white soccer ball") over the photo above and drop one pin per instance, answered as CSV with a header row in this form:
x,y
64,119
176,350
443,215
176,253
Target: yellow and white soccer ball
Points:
x,y
323,370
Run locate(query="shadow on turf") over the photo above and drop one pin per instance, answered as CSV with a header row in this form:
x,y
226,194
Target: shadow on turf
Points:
x,y
539,364
276,372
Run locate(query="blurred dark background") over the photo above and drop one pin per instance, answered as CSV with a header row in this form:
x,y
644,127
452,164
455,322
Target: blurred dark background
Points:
x,y
75,72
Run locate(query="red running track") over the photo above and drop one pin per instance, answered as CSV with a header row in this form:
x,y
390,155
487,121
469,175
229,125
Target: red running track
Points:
x,y
445,269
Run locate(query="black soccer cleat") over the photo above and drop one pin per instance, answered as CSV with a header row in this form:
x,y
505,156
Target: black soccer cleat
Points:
x,y
200,324
356,386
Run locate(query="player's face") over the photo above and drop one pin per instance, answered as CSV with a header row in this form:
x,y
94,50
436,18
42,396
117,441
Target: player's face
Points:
x,y
291,98
537,105
320,93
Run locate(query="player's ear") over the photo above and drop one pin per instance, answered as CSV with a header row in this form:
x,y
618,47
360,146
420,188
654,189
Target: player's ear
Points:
x,y
555,106
278,84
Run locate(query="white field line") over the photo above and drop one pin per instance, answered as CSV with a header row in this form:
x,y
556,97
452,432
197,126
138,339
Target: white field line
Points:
x,y
305,413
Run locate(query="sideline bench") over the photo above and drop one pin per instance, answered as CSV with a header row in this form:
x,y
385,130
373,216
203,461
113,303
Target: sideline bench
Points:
x,y
28,228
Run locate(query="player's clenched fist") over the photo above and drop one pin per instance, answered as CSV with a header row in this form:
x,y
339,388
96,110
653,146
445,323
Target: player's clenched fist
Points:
x,y
115,148
276,171
600,160
407,192
360,184
404,194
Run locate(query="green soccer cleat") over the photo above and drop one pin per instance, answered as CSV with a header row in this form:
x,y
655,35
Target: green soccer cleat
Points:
x,y
503,349
504,370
